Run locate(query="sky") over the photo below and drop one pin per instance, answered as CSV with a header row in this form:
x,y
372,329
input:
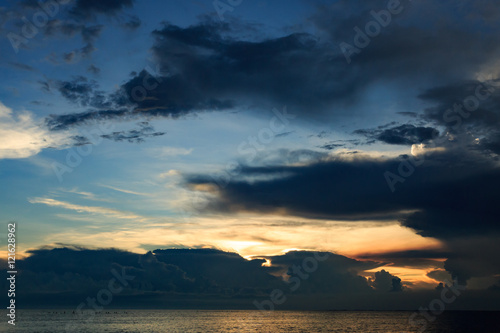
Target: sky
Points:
x,y
207,147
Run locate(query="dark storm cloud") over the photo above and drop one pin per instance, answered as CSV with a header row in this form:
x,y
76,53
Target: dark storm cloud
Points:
x,y
134,97
411,254
337,274
453,105
424,37
495,287
218,269
192,271
295,69
210,66
65,275
453,194
452,185
469,110
491,143
169,97
400,135
218,66
208,278
474,256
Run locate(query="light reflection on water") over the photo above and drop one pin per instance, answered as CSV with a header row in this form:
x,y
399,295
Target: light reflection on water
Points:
x,y
249,321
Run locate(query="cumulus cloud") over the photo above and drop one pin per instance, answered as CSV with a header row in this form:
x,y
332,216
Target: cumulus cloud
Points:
x,y
155,275
209,274
385,281
23,136
176,278
336,274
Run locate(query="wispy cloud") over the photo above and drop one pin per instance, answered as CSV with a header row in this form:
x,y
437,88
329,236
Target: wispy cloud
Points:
x,y
108,212
161,152
86,195
124,190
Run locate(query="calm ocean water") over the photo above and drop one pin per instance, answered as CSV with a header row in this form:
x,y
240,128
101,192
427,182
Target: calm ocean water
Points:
x,y
203,321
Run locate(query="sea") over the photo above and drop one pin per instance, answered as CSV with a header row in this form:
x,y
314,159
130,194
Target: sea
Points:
x,y
203,321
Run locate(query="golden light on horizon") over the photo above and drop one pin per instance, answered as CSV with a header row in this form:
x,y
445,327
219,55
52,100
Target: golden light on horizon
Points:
x,y
416,277
259,236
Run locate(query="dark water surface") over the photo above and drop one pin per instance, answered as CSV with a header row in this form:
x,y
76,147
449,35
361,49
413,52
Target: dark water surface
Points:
x,y
202,321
